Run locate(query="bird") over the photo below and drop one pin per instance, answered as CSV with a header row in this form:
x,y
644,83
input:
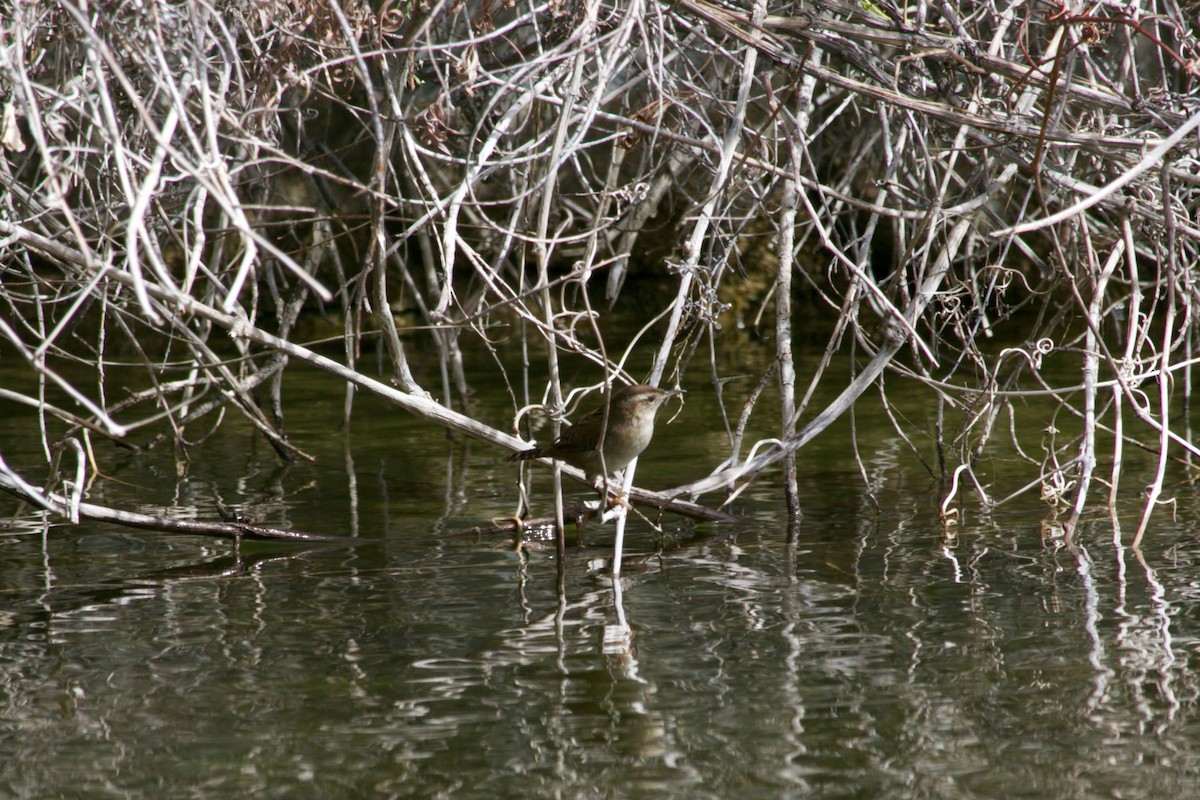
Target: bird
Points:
x,y
630,427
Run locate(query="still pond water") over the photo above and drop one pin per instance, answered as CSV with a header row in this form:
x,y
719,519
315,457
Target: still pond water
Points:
x,y
870,660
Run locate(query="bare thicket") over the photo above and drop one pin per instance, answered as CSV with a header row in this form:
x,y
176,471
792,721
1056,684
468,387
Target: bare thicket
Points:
x,y
938,175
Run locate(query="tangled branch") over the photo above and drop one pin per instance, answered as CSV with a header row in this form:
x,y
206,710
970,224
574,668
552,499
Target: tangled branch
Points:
x,y
497,172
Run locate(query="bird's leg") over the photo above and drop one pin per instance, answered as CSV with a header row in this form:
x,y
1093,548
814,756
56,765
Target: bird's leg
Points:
x,y
618,498
601,487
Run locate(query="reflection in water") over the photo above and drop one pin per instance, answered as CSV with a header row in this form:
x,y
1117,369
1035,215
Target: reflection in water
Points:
x,y
866,664
863,656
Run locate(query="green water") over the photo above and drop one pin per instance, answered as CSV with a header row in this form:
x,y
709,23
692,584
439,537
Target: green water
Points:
x,y
865,660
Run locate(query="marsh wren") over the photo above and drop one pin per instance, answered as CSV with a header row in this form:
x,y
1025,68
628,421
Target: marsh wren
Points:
x,y
629,430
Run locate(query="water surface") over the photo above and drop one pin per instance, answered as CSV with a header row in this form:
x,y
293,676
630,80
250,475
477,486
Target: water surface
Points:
x,y
866,658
